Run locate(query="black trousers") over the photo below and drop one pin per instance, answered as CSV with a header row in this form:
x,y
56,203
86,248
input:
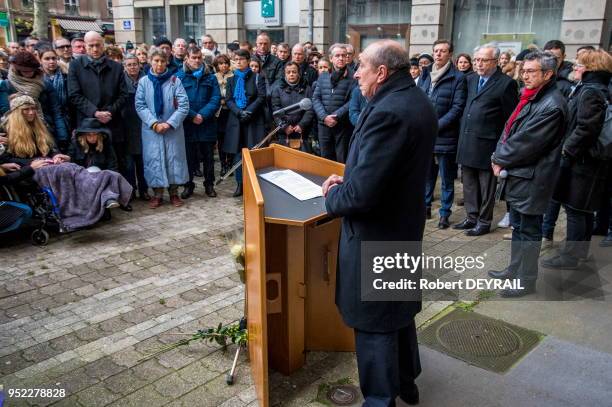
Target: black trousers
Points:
x,y
388,363
526,244
579,233
334,141
479,194
207,151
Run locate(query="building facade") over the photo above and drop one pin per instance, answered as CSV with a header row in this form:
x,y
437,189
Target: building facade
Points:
x,y
414,23
67,18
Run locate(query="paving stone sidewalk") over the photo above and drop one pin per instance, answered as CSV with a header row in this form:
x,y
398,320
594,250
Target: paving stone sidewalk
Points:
x,y
81,313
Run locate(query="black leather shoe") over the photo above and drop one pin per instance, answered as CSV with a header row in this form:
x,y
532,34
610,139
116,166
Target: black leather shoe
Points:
x,y
238,191
428,213
478,231
127,208
466,224
528,288
560,262
188,190
210,191
411,397
198,173
223,169
444,223
504,274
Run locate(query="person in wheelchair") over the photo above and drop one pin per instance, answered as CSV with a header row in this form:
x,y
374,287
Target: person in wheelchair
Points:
x,y
82,195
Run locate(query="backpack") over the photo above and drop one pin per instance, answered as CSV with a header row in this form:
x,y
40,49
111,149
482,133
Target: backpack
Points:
x,y
602,150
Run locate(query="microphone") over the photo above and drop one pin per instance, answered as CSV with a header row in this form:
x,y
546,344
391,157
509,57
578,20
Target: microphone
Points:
x,y
304,104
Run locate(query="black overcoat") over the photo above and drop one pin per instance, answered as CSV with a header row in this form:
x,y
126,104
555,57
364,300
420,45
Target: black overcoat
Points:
x,y
531,151
103,89
383,194
239,135
582,182
484,117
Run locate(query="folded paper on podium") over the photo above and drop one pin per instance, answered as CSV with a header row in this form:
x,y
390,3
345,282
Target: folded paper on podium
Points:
x,y
291,252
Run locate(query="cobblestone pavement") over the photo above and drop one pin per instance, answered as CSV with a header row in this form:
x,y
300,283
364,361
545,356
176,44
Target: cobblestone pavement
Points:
x,y
81,313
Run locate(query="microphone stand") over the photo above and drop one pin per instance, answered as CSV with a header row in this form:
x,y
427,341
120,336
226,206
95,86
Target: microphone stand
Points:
x,y
256,146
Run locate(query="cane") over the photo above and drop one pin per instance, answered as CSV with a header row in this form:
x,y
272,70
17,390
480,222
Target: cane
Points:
x,y
503,174
256,146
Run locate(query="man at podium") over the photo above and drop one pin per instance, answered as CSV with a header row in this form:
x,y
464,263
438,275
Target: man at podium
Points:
x,y
381,198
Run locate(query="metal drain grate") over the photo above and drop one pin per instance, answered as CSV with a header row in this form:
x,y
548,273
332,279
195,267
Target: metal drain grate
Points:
x,y
343,395
481,341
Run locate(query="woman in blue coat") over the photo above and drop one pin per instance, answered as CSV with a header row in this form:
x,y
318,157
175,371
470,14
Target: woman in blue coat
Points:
x,y
204,96
162,105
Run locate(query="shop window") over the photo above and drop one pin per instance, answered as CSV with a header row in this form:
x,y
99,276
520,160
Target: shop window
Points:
x,y
191,22
514,24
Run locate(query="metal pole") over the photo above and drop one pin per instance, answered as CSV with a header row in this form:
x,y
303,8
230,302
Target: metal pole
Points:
x,y
311,21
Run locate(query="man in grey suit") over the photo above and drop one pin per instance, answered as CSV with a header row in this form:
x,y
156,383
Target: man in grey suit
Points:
x,y
491,98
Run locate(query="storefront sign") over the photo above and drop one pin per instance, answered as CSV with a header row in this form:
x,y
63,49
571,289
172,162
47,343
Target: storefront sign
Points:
x,y
127,24
4,22
271,12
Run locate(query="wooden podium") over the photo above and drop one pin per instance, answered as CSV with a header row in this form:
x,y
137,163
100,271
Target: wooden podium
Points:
x,y
291,251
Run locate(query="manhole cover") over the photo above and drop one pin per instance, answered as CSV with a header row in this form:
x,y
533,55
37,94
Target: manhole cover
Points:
x,y
478,337
343,395
481,341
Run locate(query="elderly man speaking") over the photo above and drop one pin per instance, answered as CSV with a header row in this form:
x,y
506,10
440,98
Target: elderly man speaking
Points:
x,y
382,198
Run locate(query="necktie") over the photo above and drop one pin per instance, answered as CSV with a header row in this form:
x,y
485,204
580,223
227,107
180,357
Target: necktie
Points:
x,y
481,83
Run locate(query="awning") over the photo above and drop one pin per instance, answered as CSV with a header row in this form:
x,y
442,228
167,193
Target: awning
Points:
x,y
79,25
148,3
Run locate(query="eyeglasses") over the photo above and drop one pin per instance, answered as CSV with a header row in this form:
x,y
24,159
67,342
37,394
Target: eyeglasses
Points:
x,y
578,66
485,60
530,71
62,46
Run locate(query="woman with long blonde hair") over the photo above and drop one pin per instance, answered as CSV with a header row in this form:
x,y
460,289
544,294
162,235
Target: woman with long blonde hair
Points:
x,y
28,137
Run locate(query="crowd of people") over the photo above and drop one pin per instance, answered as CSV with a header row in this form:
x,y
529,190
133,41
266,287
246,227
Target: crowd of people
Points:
x,y
159,115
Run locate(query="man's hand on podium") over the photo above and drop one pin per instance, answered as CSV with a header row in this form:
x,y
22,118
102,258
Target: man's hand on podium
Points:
x,y
331,182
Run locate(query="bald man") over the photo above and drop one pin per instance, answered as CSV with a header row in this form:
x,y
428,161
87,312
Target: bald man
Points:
x,y
97,88
381,198
307,73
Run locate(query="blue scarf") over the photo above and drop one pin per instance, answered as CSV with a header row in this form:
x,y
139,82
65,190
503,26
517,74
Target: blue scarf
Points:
x,y
239,90
158,93
198,73
59,85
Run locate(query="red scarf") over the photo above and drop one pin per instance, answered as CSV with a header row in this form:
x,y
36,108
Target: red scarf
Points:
x,y
526,96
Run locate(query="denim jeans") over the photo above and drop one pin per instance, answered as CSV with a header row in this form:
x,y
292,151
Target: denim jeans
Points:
x,y
447,167
526,244
550,219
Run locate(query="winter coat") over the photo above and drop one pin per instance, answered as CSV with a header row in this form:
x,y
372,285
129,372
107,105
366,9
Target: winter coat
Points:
x,y
272,69
204,99
284,95
448,98
393,140
239,135
91,90
581,184
52,111
308,74
132,125
483,119
356,105
531,151
105,159
164,155
328,100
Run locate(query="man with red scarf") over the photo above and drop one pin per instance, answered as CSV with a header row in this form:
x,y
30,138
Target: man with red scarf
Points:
x,y
529,150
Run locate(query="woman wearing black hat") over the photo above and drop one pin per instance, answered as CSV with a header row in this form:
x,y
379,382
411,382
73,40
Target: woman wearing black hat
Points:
x,y
91,146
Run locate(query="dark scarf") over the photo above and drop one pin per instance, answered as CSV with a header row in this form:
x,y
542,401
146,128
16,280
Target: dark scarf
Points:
x,y
98,64
337,75
526,96
158,93
59,84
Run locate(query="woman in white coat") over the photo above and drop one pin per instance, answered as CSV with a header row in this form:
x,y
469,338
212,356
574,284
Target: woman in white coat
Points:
x,y
162,105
